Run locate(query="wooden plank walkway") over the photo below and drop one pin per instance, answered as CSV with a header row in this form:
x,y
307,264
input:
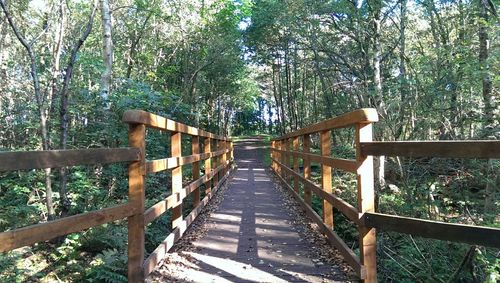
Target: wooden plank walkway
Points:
x,y
250,236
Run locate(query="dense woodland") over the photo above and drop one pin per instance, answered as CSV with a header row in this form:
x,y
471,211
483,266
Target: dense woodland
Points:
x,y
70,68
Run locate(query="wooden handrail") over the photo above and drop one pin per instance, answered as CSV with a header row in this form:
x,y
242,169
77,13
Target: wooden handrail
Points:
x,y
22,160
221,159
450,149
361,116
161,123
364,215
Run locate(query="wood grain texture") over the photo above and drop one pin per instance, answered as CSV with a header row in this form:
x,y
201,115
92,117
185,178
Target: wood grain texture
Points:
x,y
60,158
295,142
450,149
326,176
162,123
364,115
474,235
366,202
46,231
136,196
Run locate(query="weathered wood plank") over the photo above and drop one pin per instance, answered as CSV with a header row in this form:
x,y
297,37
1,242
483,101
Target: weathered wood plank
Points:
x,y
474,235
348,255
60,158
337,163
365,115
450,149
161,123
45,231
326,177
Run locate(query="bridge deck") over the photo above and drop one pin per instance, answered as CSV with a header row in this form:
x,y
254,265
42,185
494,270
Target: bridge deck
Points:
x,y
250,236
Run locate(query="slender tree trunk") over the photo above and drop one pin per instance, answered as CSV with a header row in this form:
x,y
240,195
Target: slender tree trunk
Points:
x,y
107,52
376,6
63,110
493,178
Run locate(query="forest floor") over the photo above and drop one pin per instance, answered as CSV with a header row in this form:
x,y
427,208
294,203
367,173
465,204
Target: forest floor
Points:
x,y
252,231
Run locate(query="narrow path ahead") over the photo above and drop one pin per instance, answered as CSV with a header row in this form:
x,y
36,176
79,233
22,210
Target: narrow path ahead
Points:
x,y
250,236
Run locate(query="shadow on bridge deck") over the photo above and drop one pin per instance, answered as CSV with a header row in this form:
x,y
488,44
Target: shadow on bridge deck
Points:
x,y
250,236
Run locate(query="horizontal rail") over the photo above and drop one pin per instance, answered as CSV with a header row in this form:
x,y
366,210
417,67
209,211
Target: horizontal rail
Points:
x,y
45,231
344,207
451,149
338,163
365,115
475,235
162,123
349,256
24,160
173,200
159,165
159,253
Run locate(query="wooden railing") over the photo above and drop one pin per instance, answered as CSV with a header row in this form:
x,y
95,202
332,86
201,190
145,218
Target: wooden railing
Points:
x,y
217,166
285,155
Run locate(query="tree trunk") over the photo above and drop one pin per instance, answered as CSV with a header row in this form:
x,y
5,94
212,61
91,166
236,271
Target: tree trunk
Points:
x,y
107,52
63,110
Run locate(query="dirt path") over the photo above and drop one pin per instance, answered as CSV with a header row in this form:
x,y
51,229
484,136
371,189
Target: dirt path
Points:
x,y
251,235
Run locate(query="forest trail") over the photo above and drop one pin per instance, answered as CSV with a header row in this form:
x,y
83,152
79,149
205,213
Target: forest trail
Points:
x,y
251,235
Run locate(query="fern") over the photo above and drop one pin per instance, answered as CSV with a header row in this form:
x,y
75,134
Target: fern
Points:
x,y
108,266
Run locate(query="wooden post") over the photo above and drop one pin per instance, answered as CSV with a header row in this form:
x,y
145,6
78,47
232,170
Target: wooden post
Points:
x,y
216,164
223,158
326,177
228,155
231,144
176,149
273,166
366,203
296,164
136,172
208,164
306,148
195,149
281,155
287,160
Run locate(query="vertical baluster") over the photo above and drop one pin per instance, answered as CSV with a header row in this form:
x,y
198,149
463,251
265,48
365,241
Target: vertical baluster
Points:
x,y
136,172
223,158
208,164
176,149
273,155
366,203
326,177
216,164
195,149
306,148
296,164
